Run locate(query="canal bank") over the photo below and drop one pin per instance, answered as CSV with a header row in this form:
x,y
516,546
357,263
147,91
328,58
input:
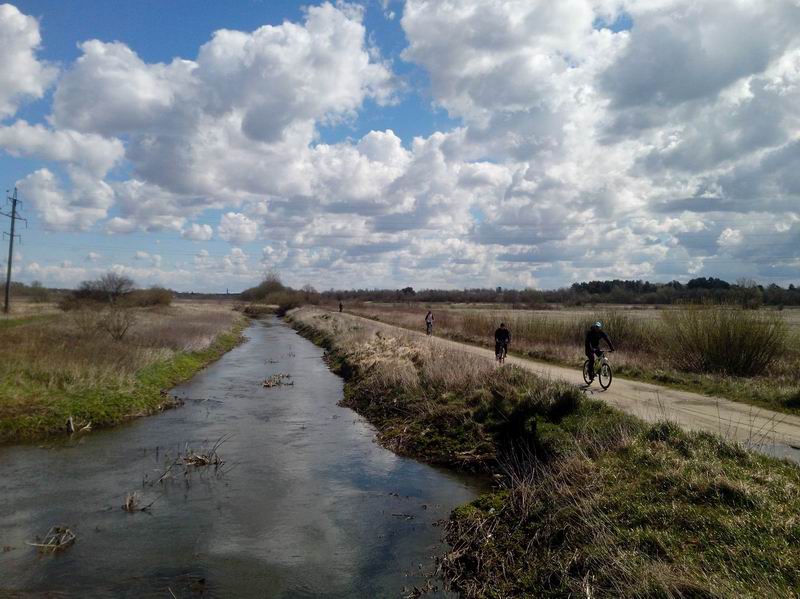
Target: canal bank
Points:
x,y
305,503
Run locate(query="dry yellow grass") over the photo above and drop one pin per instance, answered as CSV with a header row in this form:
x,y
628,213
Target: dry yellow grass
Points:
x,y
640,336
24,308
374,347
64,364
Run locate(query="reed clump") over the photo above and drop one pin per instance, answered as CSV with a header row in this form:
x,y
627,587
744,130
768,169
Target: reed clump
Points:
x,y
723,340
58,538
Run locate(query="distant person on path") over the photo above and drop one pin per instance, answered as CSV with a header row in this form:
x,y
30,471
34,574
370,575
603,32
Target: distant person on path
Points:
x,y
593,337
502,337
341,306
429,323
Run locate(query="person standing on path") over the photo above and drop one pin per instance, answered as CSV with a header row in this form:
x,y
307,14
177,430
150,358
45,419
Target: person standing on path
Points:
x,y
429,323
341,306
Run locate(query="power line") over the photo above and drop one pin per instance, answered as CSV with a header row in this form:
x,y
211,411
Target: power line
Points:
x,y
14,218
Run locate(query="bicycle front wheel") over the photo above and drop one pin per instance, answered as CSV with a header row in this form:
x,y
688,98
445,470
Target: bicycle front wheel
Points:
x,y
605,376
587,379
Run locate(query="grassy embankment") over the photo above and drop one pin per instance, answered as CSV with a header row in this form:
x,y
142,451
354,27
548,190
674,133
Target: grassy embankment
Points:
x,y
63,365
592,503
755,356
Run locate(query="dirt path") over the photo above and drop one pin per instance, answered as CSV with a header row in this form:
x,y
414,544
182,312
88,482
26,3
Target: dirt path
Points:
x,y
775,433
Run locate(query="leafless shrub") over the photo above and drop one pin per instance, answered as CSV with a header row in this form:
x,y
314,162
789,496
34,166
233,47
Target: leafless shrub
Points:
x,y
143,298
117,321
86,320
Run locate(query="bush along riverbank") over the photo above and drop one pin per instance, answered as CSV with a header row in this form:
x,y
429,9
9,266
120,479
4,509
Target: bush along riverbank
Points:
x,y
589,502
68,374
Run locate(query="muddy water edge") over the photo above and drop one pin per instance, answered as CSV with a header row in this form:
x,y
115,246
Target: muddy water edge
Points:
x,y
306,504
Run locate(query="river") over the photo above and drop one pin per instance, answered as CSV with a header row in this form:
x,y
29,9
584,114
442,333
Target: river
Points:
x,y
306,503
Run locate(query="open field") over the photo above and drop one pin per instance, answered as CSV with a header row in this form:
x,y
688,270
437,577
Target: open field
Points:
x,y
591,502
790,315
649,348
25,309
59,365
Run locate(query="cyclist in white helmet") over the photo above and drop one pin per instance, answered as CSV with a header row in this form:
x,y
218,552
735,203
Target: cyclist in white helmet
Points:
x,y
593,337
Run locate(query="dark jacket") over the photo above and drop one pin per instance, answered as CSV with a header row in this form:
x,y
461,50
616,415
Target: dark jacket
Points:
x,y
502,336
593,337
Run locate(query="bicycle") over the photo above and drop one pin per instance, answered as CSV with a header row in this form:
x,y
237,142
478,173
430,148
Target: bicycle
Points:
x,y
602,370
500,352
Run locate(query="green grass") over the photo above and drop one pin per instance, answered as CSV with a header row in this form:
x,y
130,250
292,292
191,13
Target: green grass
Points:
x,y
590,502
36,402
666,514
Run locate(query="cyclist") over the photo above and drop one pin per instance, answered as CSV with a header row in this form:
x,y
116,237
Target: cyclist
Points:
x,y
502,337
429,322
593,337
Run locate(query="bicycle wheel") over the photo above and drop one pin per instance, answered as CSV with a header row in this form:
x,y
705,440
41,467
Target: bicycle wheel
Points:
x,y
605,376
586,378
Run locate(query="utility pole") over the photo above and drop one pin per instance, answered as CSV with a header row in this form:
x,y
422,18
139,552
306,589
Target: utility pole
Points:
x,y
14,218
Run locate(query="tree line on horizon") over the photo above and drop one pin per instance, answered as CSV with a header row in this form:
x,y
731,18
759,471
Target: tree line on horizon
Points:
x,y
744,292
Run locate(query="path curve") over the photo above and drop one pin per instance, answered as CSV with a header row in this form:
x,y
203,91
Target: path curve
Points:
x,y
771,432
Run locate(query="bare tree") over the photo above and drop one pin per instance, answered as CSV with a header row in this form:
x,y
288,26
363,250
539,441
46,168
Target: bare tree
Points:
x,y
110,287
115,285
271,284
271,281
309,292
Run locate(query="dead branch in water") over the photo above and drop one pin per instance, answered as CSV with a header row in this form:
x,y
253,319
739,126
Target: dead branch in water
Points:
x,y
57,538
133,503
209,457
189,459
74,426
278,380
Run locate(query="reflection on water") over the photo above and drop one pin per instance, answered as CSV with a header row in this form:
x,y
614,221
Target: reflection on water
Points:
x,y
306,504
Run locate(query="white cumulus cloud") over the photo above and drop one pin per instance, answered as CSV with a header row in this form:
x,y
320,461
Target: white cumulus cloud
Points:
x,y
198,232
22,74
85,203
95,153
666,148
236,228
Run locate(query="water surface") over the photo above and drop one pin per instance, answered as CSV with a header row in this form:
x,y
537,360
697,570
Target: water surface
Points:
x,y
306,504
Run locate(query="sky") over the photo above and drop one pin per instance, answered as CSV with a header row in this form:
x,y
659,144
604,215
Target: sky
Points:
x,y
198,144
